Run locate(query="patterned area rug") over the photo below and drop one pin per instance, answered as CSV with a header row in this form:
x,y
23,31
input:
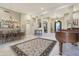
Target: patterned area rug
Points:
x,y
34,47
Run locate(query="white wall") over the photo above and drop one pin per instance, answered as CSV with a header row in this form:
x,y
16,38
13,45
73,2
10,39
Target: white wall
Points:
x,y
60,13
24,22
33,23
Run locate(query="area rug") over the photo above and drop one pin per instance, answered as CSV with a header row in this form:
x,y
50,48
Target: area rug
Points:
x,y
34,47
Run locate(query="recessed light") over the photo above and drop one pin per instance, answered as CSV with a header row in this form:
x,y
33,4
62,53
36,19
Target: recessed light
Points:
x,y
45,12
42,8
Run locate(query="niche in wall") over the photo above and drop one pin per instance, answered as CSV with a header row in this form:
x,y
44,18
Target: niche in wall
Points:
x,y
45,27
39,23
51,27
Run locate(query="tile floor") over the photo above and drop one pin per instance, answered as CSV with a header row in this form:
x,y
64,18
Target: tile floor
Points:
x,y
68,49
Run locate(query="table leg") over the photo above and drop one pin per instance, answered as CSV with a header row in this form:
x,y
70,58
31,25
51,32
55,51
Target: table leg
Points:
x,y
60,48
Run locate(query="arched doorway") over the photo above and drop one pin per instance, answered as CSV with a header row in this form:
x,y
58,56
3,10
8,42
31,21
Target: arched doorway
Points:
x,y
58,26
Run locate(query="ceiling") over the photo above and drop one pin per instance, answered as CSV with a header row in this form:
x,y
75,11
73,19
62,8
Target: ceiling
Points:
x,y
32,8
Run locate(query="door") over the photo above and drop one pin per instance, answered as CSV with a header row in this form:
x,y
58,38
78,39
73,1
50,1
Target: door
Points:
x,y
28,29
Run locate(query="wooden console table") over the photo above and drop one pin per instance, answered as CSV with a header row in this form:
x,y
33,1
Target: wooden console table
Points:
x,y
67,36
